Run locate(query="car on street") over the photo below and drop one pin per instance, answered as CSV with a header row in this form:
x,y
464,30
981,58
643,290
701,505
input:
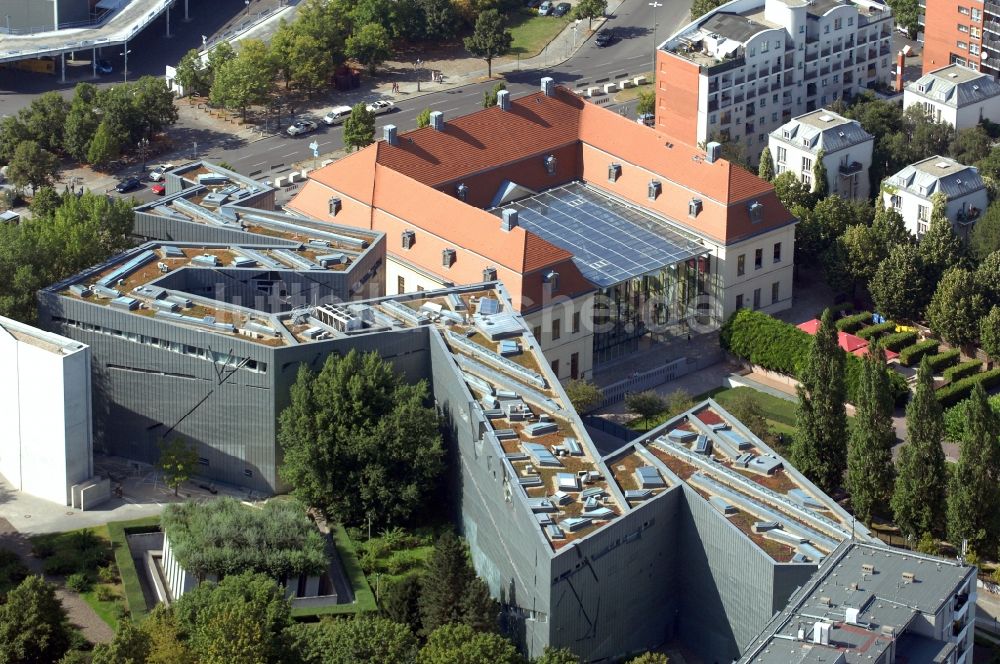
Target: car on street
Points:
x,y
128,184
561,9
104,67
381,106
158,189
648,119
337,115
604,38
158,172
300,127
545,8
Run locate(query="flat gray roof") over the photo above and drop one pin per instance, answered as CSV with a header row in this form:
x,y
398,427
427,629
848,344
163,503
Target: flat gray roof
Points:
x,y
733,26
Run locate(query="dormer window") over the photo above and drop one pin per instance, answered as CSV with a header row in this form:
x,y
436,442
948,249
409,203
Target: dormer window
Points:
x,y
550,164
694,207
614,172
334,206
756,212
490,274
551,280
448,257
409,237
654,189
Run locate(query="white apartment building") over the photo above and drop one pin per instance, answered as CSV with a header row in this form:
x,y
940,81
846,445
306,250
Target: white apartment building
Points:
x,y
846,148
956,95
911,192
744,69
45,407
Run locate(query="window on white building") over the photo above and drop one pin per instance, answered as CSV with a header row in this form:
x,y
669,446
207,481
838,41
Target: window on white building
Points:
x,y
782,153
807,164
807,179
923,213
838,23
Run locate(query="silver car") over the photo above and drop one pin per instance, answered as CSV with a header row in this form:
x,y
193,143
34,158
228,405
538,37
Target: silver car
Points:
x,y
381,106
300,127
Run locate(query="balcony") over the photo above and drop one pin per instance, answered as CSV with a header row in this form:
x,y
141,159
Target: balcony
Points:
x,y
739,80
825,52
824,71
884,49
738,98
775,86
810,75
847,170
713,106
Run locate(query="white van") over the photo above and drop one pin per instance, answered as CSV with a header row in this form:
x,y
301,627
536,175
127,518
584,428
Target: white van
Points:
x,y
337,115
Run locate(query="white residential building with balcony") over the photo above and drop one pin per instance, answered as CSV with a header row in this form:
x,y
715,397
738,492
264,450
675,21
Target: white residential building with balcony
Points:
x,y
847,151
911,192
956,95
744,69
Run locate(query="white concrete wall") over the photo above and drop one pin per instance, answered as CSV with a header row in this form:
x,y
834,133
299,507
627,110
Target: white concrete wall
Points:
x,y
45,408
910,203
753,278
962,118
861,153
561,350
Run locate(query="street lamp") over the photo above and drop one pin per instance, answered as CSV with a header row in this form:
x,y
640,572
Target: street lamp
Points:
x,y
143,144
125,53
247,3
7,18
655,5
416,65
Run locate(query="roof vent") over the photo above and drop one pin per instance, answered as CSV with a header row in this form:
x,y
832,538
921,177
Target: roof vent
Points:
x,y
655,187
334,206
503,100
953,74
821,633
756,212
908,577
437,120
840,133
389,134
448,257
694,207
713,151
551,278
851,615
825,601
550,164
462,191
868,568
509,219
409,237
490,274
549,86
975,87
826,118
614,172
942,164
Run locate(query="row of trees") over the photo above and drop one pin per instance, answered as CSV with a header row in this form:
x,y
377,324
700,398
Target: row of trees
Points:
x,y
924,501
94,127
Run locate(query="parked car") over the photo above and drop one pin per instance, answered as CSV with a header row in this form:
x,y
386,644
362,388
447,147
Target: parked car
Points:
x,y
104,67
648,119
128,184
300,127
158,172
604,38
545,8
337,115
561,9
532,4
381,106
158,189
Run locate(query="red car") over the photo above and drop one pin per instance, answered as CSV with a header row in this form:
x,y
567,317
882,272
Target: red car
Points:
x,y
158,189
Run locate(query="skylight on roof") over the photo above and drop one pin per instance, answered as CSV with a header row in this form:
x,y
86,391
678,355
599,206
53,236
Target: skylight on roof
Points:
x,y
942,164
826,118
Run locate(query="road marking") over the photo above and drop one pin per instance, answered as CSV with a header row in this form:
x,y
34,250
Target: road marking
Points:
x,y
290,154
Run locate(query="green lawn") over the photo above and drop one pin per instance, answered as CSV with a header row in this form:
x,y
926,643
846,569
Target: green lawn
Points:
x,y
775,409
532,32
364,598
129,576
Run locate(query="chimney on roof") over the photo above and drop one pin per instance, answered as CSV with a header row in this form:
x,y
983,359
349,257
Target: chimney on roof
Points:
x,y
389,134
437,120
503,100
712,152
549,86
509,221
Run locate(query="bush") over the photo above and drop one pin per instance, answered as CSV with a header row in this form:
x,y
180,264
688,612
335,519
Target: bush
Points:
x,y
873,332
898,340
911,355
106,594
79,582
64,562
12,571
944,360
959,390
963,370
854,322
43,547
955,418
107,574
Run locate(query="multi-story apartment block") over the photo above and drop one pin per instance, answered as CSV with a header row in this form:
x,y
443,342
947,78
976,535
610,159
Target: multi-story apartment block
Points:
x,y
846,147
964,32
747,67
912,189
603,231
955,94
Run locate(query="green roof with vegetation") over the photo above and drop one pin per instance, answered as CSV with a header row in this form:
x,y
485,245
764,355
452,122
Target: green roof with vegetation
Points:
x,y
224,537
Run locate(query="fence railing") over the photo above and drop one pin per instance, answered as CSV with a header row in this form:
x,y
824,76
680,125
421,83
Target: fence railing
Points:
x,y
645,380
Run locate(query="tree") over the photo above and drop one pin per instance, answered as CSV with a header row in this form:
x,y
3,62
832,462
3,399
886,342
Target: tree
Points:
x,y
645,404
375,453
765,170
424,118
590,9
354,641
820,186
646,104
957,307
13,132
192,74
650,658
853,259
678,401
918,500
988,276
490,38
310,65
445,581
359,127
281,46
220,54
130,645
820,449
460,643
32,165
45,202
745,408
34,628
561,656
120,113
907,14
583,394
440,20
989,333
329,22
479,611
104,147
898,287
940,248
154,102
400,602
244,80
970,145
165,643
985,236
490,96
869,454
701,7
81,122
974,492
45,120
370,45
790,190
177,461
239,619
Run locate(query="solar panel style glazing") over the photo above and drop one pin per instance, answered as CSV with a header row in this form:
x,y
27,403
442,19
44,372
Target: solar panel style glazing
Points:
x,y
610,242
